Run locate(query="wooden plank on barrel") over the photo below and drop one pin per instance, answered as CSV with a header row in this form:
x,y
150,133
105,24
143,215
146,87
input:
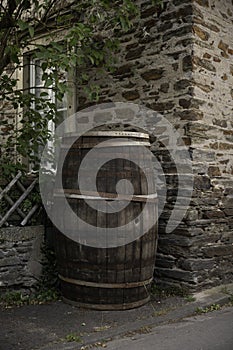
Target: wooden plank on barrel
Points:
x,y
101,222
87,252
112,222
120,249
134,247
129,218
140,179
101,256
122,221
142,293
129,258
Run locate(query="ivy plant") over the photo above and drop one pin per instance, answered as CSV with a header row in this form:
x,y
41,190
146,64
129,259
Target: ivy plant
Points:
x,y
63,35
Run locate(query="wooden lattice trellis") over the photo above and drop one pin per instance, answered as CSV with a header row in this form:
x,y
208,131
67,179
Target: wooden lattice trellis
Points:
x,y
15,204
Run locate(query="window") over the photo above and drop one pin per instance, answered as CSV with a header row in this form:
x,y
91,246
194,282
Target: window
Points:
x,y
36,86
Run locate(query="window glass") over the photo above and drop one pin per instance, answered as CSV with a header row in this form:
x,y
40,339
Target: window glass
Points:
x,y
37,87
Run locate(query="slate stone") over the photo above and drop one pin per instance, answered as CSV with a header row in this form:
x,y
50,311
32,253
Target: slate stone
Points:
x,y
153,74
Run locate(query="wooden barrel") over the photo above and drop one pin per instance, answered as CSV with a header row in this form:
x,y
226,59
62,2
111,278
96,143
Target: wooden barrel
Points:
x,y
108,278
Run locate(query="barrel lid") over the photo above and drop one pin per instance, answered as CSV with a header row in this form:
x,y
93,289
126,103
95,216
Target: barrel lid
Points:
x,y
111,133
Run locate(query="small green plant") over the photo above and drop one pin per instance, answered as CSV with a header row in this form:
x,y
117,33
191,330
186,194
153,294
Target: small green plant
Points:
x,y
231,299
72,337
18,298
163,312
14,298
224,290
46,296
190,298
213,307
169,291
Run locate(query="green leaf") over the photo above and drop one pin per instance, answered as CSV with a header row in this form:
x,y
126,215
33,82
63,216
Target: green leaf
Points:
x,y
91,59
22,24
43,94
31,31
57,46
48,82
44,66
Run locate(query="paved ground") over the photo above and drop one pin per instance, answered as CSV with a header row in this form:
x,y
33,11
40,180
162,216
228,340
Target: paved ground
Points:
x,y
212,331
50,326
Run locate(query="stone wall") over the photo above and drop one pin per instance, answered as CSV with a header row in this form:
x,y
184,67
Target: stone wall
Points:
x,y
211,135
20,256
178,61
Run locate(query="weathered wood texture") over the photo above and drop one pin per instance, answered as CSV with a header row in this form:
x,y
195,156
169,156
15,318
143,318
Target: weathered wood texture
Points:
x,y
116,277
16,203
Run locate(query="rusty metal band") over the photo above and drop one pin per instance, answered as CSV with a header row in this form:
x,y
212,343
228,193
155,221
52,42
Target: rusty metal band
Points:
x,y
125,285
109,144
109,307
76,194
114,133
111,133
